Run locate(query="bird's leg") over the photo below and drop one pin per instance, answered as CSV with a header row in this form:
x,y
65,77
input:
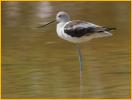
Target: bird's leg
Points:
x,y
80,58
81,68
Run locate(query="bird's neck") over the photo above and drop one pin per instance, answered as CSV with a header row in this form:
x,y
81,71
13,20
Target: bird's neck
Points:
x,y
61,24
60,27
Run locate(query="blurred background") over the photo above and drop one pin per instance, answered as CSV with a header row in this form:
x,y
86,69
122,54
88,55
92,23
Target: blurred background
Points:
x,y
38,64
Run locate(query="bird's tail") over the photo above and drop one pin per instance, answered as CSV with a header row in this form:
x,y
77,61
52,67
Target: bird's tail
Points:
x,y
109,28
104,29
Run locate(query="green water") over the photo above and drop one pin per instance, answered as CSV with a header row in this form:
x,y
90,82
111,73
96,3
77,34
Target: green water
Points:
x,y
36,63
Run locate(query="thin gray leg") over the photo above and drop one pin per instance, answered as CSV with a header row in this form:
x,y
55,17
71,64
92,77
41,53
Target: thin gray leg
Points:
x,y
81,68
80,57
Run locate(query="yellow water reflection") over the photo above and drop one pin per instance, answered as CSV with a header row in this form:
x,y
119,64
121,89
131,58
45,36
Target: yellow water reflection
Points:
x,y
37,64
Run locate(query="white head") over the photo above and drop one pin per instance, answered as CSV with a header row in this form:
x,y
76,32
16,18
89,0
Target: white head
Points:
x,y
62,17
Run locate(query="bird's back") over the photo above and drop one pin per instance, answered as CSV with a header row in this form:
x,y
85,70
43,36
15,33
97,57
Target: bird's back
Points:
x,y
77,28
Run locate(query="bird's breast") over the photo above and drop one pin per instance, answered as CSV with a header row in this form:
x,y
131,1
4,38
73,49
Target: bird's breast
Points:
x,y
60,29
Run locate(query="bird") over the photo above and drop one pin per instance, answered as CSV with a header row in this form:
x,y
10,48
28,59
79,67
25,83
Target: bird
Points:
x,y
78,31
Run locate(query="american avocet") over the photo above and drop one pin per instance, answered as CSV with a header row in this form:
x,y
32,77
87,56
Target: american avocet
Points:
x,y
77,31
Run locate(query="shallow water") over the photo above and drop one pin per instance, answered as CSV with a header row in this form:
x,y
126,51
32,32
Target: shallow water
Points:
x,y
38,64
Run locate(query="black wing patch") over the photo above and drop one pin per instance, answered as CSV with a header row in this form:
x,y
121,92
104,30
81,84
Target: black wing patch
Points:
x,y
79,31
78,28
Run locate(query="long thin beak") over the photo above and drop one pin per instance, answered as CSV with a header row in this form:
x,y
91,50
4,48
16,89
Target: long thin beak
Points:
x,y
46,24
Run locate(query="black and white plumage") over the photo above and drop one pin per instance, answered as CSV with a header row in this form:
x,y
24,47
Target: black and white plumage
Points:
x,y
77,31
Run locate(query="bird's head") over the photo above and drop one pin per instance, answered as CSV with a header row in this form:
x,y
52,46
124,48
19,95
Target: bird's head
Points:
x,y
62,17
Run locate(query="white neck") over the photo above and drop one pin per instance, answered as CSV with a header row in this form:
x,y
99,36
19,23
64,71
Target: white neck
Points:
x,y
60,27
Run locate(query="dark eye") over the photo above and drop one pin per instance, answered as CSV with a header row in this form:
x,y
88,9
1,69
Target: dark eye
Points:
x,y
60,15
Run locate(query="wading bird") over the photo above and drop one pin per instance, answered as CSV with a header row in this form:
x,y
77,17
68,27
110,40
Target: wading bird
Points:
x,y
77,31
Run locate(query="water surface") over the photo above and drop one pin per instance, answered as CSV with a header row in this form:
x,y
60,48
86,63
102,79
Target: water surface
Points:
x,y
38,64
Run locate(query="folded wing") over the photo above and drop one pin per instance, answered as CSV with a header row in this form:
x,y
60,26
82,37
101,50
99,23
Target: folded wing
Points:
x,y
78,28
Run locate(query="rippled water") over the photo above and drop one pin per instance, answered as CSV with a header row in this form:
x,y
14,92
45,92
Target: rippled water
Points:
x,y
38,64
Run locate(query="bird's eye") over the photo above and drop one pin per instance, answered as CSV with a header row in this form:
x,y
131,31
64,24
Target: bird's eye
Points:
x,y
60,16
